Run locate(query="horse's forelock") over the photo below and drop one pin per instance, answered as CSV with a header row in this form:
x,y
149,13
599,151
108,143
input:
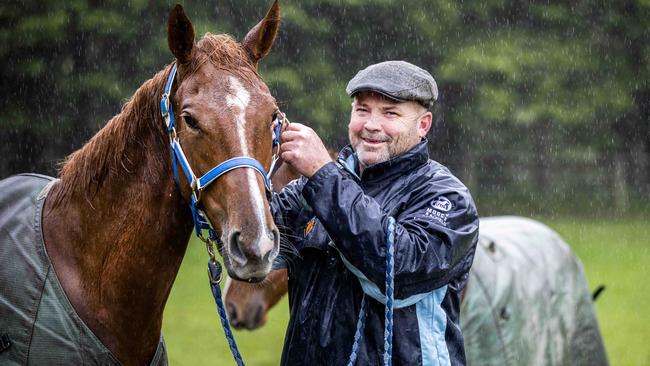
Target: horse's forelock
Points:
x,y
223,52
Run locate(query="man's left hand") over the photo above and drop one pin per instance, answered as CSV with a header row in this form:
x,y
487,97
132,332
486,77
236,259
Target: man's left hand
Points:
x,y
301,148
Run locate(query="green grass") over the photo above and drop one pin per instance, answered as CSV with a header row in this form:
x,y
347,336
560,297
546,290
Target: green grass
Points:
x,y
614,252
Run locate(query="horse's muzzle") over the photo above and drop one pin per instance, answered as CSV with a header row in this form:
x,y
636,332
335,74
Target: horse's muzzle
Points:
x,y
250,259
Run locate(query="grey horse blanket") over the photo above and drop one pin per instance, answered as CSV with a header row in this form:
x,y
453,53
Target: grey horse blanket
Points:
x,y
36,317
527,301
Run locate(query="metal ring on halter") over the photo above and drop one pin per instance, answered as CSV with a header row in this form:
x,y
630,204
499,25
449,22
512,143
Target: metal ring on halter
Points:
x,y
210,248
281,118
196,192
172,134
215,280
209,245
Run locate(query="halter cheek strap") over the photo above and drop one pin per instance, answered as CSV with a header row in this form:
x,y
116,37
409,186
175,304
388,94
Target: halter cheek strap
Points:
x,y
279,118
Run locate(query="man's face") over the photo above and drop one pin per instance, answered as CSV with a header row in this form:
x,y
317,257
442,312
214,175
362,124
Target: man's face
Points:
x,y
381,128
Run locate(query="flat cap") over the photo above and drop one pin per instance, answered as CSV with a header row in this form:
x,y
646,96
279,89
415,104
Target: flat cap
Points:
x,y
398,80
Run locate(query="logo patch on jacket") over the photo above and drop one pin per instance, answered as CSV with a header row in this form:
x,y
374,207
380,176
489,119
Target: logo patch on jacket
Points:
x,y
310,225
442,204
438,210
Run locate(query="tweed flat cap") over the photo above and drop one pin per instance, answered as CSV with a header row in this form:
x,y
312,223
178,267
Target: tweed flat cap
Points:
x,y
398,80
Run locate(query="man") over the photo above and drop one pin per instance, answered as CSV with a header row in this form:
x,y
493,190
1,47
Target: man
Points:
x,y
336,217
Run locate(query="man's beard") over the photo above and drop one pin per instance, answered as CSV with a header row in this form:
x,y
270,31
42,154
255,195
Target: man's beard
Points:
x,y
391,149
381,155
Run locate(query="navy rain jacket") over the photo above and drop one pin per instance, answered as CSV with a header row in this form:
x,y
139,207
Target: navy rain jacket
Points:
x,y
337,222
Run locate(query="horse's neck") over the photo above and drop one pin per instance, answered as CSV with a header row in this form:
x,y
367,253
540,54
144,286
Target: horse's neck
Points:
x,y
118,249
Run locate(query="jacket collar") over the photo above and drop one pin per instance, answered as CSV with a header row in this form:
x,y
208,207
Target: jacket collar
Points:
x,y
398,165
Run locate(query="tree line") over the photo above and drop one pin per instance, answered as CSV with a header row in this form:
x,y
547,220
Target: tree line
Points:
x,y
544,106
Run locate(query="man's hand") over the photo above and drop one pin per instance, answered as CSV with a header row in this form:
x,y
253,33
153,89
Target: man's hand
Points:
x,y
301,148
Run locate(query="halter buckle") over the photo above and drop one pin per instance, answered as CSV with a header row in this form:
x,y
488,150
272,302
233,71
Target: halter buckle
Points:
x,y
164,104
196,191
172,134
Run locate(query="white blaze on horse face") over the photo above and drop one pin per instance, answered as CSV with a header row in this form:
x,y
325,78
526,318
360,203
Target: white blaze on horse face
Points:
x,y
240,100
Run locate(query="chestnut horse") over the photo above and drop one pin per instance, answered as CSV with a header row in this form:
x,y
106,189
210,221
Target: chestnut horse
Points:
x,y
116,222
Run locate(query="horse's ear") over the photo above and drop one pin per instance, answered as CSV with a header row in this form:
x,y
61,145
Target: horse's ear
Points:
x,y
180,34
260,38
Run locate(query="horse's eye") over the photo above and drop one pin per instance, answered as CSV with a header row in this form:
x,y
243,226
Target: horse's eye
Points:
x,y
191,122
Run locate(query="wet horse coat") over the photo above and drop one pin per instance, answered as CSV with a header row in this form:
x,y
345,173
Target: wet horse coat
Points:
x,y
35,314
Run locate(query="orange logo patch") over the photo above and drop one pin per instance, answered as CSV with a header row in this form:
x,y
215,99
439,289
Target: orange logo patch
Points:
x,y
310,225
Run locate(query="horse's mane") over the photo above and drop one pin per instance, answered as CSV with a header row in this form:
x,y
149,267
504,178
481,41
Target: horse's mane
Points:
x,y
105,154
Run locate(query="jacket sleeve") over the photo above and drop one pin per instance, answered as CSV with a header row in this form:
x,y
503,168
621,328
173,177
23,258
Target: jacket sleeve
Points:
x,y
435,233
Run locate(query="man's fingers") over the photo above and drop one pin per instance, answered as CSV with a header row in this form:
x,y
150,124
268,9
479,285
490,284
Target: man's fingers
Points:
x,y
295,126
289,146
288,156
288,136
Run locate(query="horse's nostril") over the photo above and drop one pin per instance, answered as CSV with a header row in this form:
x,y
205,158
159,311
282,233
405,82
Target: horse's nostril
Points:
x,y
258,318
245,249
234,244
275,237
236,323
232,315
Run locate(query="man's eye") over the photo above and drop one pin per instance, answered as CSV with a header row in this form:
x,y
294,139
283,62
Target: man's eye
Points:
x,y
392,114
191,122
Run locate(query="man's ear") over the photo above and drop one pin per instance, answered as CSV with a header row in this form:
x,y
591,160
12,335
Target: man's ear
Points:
x,y
180,35
424,124
260,38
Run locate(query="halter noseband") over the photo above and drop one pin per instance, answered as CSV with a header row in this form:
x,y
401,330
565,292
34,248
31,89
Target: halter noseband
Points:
x,y
198,184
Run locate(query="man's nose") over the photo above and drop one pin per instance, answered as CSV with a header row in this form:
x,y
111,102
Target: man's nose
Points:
x,y
373,123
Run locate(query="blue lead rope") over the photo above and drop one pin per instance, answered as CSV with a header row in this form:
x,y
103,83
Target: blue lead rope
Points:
x,y
358,334
390,281
214,272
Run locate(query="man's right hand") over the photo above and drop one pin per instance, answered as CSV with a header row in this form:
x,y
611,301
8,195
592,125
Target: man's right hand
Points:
x,y
301,147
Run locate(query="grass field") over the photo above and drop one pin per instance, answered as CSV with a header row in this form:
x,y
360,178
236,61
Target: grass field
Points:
x,y
614,252
617,254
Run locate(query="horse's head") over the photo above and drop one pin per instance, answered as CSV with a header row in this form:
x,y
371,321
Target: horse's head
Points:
x,y
224,110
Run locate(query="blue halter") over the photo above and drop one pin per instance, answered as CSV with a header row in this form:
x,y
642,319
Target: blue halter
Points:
x,y
198,184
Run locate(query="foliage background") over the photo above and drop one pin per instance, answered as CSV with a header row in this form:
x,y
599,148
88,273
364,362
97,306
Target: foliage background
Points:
x,y
544,108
